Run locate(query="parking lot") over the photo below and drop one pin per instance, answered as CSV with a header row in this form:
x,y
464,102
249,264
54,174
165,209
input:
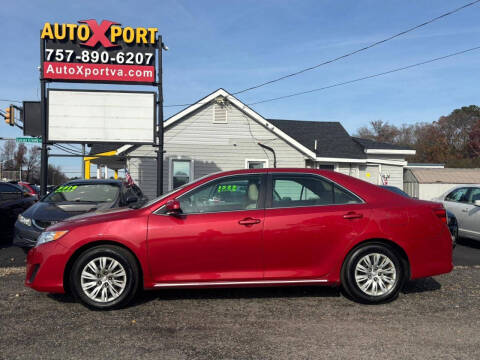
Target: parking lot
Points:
x,y
434,318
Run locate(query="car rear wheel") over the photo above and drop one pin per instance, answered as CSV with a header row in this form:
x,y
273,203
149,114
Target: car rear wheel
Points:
x,y
105,277
372,274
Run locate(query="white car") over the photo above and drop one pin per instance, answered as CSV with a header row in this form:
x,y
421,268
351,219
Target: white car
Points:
x,y
464,202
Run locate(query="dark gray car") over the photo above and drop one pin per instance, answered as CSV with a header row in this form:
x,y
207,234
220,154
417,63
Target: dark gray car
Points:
x,y
70,199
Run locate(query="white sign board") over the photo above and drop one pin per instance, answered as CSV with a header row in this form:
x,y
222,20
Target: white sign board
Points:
x,y
101,116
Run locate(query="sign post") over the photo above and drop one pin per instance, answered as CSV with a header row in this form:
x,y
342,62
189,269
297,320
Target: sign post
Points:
x,y
160,121
43,111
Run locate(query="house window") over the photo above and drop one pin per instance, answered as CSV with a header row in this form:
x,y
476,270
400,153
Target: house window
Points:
x,y
219,114
326,167
182,172
256,163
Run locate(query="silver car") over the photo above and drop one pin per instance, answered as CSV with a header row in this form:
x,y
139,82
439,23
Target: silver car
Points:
x,y
464,202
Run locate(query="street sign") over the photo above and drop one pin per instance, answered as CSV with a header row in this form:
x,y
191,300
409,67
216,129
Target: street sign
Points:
x,y
28,140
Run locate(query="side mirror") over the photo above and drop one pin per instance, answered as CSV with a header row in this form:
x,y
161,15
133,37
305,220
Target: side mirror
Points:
x,y
476,203
131,200
172,207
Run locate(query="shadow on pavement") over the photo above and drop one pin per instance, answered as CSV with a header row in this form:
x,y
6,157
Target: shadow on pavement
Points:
x,y
470,243
236,293
421,285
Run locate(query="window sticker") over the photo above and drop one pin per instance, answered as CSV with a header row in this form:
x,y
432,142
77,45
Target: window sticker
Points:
x,y
227,188
66,188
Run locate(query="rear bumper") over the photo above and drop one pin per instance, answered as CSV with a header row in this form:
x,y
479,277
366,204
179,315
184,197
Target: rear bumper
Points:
x,y
45,267
432,257
25,236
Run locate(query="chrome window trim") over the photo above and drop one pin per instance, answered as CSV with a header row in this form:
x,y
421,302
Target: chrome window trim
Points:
x,y
362,201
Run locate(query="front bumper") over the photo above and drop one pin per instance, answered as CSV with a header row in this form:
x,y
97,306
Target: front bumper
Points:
x,y
45,267
25,236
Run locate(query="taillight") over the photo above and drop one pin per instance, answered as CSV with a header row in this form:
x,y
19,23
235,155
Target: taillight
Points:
x,y
441,214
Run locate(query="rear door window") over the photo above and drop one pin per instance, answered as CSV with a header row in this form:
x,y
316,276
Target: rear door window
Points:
x,y
297,191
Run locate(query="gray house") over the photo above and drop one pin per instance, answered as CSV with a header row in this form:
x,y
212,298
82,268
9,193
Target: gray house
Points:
x,y
221,133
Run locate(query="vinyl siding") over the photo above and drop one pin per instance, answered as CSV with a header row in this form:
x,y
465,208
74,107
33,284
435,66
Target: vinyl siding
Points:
x,y
213,147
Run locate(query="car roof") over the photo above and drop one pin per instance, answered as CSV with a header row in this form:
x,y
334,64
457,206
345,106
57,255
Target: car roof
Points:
x,y
94,181
11,184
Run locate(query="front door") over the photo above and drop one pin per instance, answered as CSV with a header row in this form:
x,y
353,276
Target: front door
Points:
x,y
218,236
307,221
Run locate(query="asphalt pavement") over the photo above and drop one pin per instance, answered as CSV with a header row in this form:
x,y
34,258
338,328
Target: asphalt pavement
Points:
x,y
433,318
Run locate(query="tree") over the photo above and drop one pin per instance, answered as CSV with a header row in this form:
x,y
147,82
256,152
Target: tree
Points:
x,y
33,164
7,155
55,175
453,139
19,156
474,140
379,131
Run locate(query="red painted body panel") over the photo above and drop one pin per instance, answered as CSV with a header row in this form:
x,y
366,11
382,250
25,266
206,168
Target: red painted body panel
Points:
x,y
203,247
303,243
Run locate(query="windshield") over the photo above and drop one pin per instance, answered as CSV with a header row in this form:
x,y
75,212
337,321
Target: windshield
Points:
x,y
84,193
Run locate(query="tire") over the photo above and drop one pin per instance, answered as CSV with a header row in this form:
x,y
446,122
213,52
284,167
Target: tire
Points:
x,y
365,283
105,277
455,235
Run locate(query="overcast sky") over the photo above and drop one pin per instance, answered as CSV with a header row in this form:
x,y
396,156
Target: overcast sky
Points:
x,y
236,44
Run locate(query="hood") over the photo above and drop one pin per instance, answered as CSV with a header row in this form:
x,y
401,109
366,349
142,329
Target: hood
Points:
x,y
44,211
97,213
94,217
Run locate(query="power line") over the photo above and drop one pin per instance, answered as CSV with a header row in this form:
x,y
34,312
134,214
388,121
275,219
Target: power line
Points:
x,y
366,77
58,146
359,50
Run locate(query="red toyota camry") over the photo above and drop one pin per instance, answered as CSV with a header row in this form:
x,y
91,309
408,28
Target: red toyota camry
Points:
x,y
261,227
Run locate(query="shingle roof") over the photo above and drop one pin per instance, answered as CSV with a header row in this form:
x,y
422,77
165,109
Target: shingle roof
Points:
x,y
447,176
332,139
370,144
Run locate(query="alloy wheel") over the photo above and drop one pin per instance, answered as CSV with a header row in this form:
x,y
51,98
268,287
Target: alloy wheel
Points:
x,y
103,279
375,274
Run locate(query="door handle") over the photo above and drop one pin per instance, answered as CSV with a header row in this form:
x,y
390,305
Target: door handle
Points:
x,y
465,210
249,221
352,215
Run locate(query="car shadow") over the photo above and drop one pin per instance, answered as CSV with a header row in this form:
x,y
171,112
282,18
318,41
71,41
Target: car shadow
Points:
x,y
62,298
411,287
468,242
421,285
236,293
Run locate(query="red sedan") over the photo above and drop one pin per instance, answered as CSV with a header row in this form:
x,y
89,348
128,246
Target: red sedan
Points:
x,y
256,227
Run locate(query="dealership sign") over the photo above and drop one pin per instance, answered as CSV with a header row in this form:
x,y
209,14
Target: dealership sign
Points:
x,y
105,52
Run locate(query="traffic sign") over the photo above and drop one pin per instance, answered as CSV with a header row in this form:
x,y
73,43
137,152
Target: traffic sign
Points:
x,y
28,140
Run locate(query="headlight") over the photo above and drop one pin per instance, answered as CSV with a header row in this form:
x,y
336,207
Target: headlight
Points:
x,y
24,220
48,236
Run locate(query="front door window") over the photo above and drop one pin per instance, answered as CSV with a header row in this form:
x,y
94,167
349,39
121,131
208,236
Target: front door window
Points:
x,y
226,194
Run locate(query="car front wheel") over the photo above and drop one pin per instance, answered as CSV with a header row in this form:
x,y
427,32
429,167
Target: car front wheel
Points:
x,y
105,277
372,274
